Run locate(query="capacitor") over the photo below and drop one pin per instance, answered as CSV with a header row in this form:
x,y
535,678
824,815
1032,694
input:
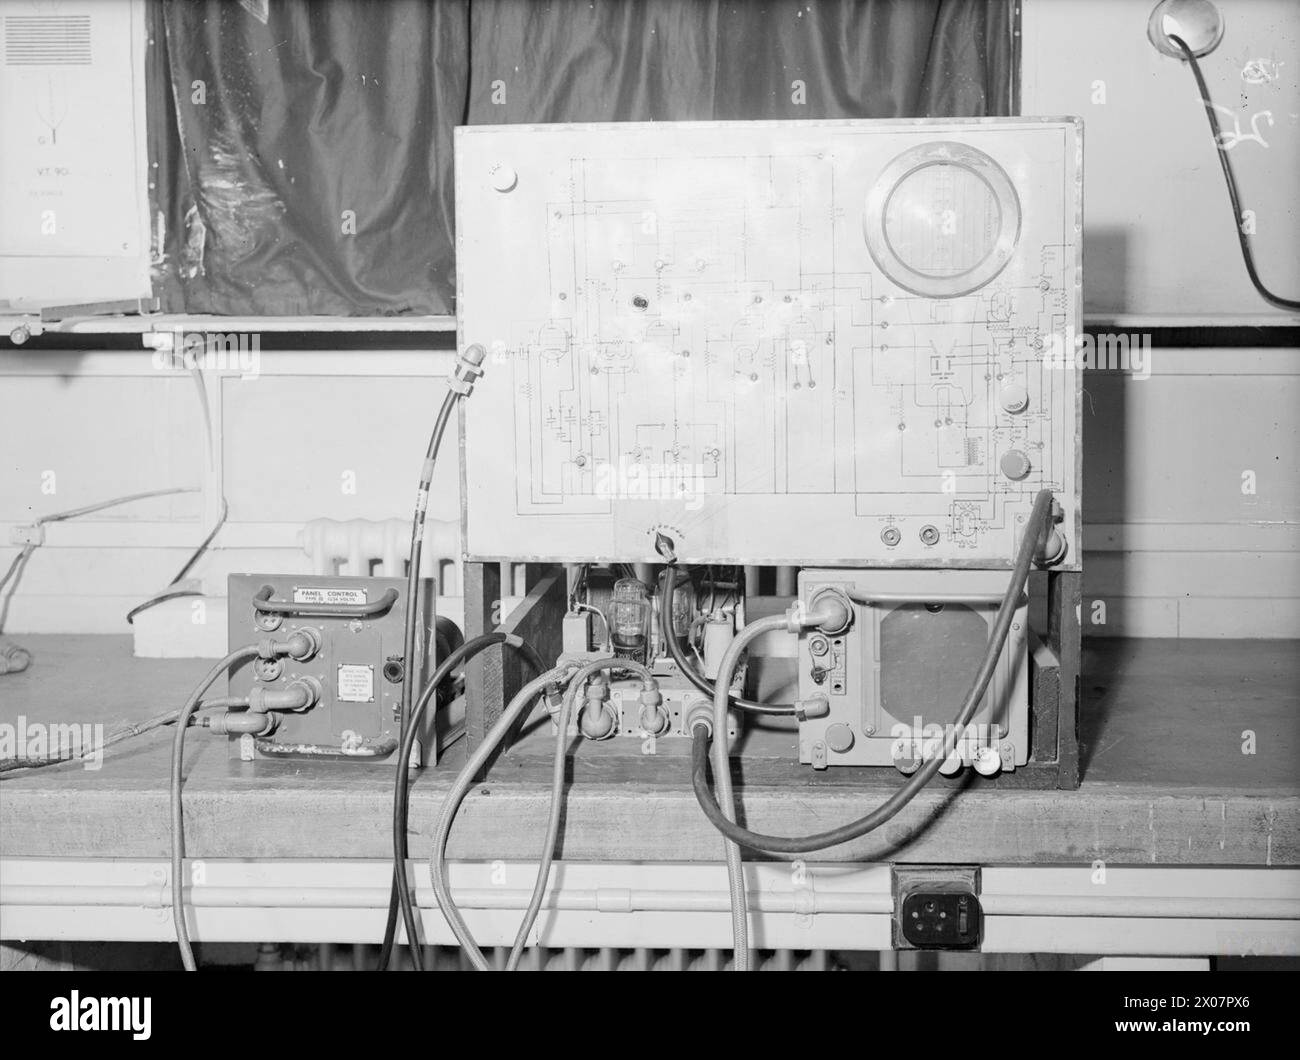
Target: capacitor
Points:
x,y
719,632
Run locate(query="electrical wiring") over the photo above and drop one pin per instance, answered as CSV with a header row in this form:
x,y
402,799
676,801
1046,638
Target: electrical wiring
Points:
x,y
522,702
126,733
722,771
18,561
468,367
177,814
557,796
160,598
723,817
99,506
400,897
14,658
171,592
684,665
417,544
89,509
580,606
552,828
1233,196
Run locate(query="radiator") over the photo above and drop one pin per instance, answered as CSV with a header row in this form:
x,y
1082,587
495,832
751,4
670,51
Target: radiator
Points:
x,y
332,958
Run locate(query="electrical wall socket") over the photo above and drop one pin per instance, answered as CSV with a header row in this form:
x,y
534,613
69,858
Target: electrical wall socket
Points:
x,y
937,907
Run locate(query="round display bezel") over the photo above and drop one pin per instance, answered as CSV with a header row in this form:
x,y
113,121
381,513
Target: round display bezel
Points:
x,y
887,183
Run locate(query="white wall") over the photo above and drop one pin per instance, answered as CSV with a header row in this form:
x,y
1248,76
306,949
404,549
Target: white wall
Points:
x,y
1159,237
1175,547
323,435
1177,544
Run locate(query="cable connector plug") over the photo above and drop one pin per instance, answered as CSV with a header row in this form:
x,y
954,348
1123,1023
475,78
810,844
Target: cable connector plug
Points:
x,y
597,720
830,610
1052,544
816,707
241,724
301,694
553,698
700,714
665,547
652,716
468,367
303,644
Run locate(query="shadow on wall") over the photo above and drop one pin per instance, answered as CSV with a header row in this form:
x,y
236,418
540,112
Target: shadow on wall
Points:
x,y
1105,269
1105,484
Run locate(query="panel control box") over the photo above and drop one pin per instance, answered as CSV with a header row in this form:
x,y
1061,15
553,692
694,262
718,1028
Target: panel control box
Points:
x,y
893,681
353,671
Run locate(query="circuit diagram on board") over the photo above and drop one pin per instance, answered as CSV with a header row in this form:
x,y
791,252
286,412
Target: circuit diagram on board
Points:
x,y
853,335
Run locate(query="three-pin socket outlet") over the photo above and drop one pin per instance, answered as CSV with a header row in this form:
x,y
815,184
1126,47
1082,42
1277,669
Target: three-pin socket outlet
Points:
x,y
937,909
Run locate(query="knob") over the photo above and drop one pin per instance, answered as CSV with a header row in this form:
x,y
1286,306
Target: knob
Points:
x,y
503,177
839,737
987,762
906,756
1015,397
952,764
1015,465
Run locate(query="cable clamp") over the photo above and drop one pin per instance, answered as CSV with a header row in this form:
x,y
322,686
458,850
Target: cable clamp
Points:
x,y
804,896
468,367
816,707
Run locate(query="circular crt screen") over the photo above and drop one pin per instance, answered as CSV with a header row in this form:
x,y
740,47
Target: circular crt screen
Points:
x,y
942,220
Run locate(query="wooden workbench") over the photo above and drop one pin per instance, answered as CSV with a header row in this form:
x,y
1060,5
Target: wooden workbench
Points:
x,y
1166,781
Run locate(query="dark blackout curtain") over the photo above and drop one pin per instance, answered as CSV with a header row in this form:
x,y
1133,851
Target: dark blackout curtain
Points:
x,y
303,163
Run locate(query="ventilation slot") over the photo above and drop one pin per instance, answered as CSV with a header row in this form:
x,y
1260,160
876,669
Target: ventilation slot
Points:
x,y
47,40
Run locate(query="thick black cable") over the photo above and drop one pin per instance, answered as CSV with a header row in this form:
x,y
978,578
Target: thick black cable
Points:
x,y
400,898
684,665
1233,196
1038,524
